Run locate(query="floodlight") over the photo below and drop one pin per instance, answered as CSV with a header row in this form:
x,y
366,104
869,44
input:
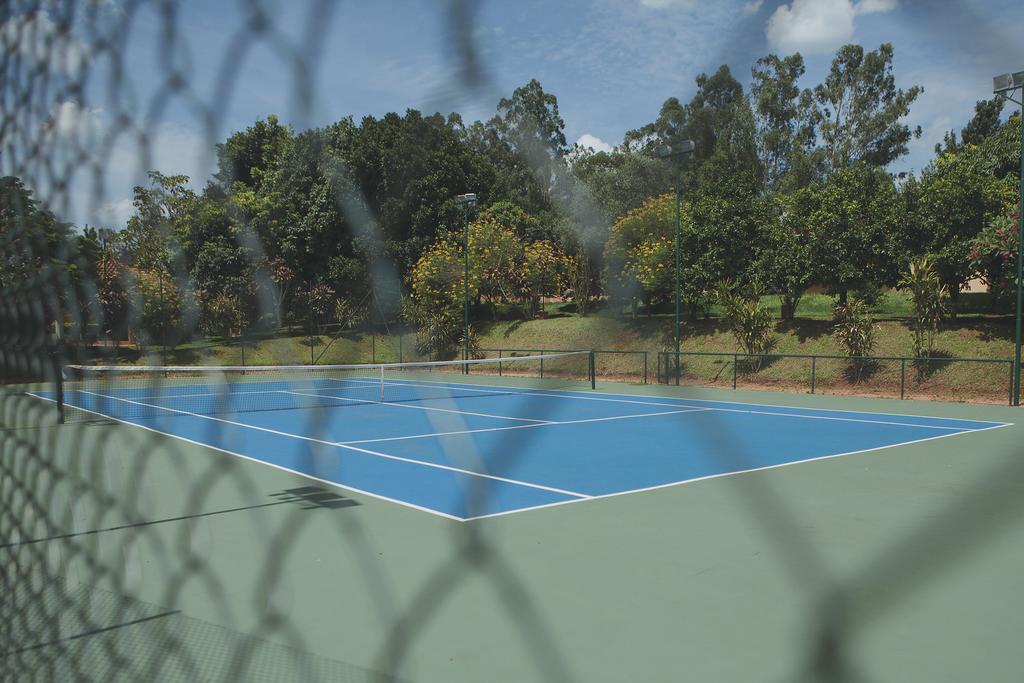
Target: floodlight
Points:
x,y
1007,83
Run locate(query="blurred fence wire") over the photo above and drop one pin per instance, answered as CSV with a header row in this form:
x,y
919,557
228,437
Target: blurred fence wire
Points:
x,y
106,552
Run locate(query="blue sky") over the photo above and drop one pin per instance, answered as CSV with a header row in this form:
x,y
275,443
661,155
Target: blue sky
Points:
x,y
611,63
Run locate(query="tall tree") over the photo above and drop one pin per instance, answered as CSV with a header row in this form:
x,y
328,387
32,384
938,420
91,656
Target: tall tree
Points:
x,y
856,215
719,120
784,118
985,123
859,109
247,156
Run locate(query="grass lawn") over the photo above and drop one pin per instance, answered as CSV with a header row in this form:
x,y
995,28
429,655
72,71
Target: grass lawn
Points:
x,y
973,334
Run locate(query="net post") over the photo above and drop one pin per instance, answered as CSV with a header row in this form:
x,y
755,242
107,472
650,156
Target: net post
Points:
x,y
593,370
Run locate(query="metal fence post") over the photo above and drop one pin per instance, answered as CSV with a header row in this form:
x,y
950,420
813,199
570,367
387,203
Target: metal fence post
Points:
x,y
400,360
645,367
814,363
373,345
903,372
593,371
499,362
734,360
1011,382
59,386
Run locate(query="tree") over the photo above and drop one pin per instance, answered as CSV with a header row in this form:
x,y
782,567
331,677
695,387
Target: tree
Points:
x,y
994,253
784,119
248,156
620,181
785,256
35,243
856,217
958,196
719,120
859,109
984,124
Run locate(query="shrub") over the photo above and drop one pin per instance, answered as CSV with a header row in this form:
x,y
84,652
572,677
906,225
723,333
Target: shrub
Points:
x,y
930,298
748,319
854,330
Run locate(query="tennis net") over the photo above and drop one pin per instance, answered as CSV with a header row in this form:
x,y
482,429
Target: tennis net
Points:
x,y
128,392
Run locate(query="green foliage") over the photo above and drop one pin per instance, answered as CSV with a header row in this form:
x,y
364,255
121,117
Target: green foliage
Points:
x,y
439,331
931,301
857,218
859,109
994,253
747,318
35,244
785,251
503,268
248,156
784,117
226,315
581,282
853,328
156,313
958,197
639,253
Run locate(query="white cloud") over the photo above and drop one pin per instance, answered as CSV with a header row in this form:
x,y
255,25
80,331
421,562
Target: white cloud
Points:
x,y
818,26
752,7
70,121
593,142
115,214
662,4
870,6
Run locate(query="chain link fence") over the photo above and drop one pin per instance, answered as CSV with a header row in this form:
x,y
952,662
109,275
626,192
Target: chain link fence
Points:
x,y
128,555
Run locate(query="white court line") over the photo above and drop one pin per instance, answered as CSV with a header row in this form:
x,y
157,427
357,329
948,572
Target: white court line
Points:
x,y
721,475
344,487
710,400
463,387
536,507
351,448
404,405
546,424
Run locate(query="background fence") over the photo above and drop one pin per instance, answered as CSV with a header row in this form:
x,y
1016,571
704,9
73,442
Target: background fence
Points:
x,y
954,379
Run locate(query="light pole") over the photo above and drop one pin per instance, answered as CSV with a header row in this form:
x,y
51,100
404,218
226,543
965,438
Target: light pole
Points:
x,y
1005,86
676,153
468,201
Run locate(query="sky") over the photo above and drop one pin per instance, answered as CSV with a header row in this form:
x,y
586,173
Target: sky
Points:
x,y
611,64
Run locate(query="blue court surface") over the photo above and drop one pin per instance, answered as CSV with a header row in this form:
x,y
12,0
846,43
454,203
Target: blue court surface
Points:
x,y
466,451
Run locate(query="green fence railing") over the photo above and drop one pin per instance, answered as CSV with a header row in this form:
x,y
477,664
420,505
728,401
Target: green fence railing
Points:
x,y
933,377
605,367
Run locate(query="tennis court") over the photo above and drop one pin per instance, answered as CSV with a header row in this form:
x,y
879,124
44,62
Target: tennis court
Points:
x,y
453,444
